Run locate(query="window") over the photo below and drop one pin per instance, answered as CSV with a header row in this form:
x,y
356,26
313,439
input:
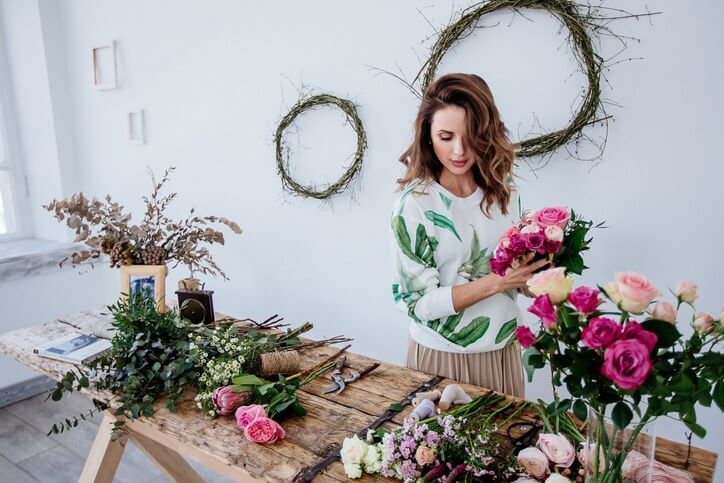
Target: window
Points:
x,y
9,202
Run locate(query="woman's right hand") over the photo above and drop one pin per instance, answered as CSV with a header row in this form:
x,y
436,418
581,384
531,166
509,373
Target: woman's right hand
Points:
x,y
516,278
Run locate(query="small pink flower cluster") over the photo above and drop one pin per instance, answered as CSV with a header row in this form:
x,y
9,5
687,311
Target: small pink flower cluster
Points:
x,y
257,427
541,233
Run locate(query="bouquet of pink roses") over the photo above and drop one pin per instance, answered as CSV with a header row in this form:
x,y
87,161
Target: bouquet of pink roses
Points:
x,y
552,232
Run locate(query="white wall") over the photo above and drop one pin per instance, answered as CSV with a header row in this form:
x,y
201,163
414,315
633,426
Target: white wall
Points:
x,y
214,79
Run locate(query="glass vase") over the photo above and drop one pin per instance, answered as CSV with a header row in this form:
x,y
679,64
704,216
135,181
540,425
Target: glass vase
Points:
x,y
624,455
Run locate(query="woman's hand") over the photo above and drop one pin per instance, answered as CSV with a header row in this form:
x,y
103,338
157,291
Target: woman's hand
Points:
x,y
516,278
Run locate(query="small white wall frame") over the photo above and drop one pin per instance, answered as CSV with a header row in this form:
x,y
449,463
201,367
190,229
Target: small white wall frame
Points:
x,y
136,127
104,66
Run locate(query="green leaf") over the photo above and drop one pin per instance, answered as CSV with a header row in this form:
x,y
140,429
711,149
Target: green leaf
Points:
x,y
248,380
696,428
399,228
580,409
682,383
621,415
472,332
451,324
446,201
666,333
506,330
532,360
57,395
442,221
719,394
396,407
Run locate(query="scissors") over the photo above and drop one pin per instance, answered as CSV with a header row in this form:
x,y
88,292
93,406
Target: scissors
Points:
x,y
340,381
527,431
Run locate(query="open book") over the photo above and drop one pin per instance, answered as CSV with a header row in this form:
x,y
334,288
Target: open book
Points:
x,y
75,347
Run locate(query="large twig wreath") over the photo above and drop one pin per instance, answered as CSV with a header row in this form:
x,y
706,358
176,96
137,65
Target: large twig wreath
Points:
x,y
350,110
582,21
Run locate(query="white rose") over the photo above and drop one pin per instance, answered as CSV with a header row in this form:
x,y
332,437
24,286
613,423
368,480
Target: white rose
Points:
x,y
353,471
526,480
353,450
554,233
557,478
532,228
686,291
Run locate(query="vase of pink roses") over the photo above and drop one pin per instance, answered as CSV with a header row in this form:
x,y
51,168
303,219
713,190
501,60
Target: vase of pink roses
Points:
x,y
626,366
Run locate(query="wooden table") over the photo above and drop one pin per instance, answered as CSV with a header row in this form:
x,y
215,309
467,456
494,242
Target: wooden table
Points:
x,y
218,444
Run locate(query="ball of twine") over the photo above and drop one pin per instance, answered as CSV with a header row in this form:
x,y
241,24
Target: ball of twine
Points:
x,y
577,23
284,362
350,110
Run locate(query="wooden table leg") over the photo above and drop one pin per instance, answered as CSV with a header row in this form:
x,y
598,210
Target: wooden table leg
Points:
x,y
172,463
105,454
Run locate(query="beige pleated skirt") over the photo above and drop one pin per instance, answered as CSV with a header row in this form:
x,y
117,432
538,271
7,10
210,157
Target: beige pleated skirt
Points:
x,y
500,370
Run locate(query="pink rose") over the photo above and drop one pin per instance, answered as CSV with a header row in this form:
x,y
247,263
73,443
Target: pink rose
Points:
x,y
533,461
557,216
635,291
263,430
424,456
246,414
545,310
509,233
627,364
664,311
552,246
686,291
586,456
525,336
517,245
503,254
600,332
557,449
226,400
703,323
535,242
553,282
585,299
632,330
498,267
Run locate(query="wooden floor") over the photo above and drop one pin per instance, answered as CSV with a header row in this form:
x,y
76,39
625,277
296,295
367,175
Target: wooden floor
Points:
x,y
28,455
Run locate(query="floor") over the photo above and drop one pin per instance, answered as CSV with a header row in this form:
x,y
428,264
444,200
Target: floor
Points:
x,y
28,455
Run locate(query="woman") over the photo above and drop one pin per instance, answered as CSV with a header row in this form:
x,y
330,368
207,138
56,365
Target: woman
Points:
x,y
456,200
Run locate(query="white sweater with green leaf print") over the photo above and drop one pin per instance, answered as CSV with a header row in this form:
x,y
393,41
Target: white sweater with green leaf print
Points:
x,y
441,240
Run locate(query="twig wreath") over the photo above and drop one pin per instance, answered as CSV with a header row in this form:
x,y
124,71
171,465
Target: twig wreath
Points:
x,y
304,104
583,21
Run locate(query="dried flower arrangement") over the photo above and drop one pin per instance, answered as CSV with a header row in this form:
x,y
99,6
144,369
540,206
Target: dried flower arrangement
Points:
x,y
106,229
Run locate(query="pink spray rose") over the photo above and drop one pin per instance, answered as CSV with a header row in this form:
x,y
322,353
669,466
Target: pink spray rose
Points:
x,y
263,430
534,461
633,330
703,323
545,310
517,245
686,291
557,215
585,299
557,449
664,311
246,414
600,332
553,282
525,336
226,400
627,364
498,267
535,242
634,291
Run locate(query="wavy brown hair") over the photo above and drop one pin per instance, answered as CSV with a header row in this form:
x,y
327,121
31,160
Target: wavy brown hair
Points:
x,y
486,136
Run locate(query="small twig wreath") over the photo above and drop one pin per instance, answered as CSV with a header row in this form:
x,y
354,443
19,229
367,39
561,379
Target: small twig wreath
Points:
x,y
580,20
350,110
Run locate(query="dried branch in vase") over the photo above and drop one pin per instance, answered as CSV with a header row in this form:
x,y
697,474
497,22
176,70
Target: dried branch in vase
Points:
x,y
106,229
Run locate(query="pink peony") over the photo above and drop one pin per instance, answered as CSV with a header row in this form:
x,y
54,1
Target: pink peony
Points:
x,y
246,414
585,299
557,449
226,400
557,215
525,336
533,461
545,310
600,333
686,291
703,323
627,364
664,311
635,291
553,282
535,242
263,430
633,330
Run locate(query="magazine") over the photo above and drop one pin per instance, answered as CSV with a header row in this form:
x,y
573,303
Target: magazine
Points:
x,y
75,347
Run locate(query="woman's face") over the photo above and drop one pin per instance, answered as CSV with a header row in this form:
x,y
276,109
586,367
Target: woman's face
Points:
x,y
447,132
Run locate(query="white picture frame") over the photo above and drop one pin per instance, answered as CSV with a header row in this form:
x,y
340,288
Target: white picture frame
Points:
x,y
104,66
136,127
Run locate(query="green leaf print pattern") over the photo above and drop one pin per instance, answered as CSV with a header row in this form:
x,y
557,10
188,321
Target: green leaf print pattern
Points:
x,y
425,245
471,332
445,201
479,262
443,222
451,324
506,330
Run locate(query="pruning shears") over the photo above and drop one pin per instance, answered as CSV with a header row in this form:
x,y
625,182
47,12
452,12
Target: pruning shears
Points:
x,y
340,381
526,434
